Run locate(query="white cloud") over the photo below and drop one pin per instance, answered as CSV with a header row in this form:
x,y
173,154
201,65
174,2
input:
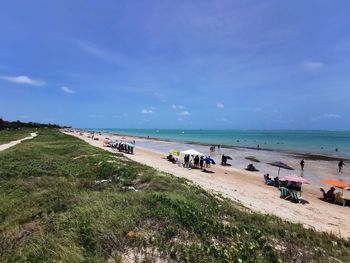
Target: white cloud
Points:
x,y
312,65
178,107
67,90
184,113
220,105
326,116
145,111
332,116
23,79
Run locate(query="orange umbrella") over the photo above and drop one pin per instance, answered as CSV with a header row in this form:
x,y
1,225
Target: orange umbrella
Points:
x,y
335,183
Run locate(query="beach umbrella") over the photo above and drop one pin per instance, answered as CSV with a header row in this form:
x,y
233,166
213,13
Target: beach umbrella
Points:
x,y
294,178
174,152
336,183
281,165
209,160
192,152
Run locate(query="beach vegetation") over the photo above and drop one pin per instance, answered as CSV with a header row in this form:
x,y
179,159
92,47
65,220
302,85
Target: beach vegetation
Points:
x,y
7,135
62,200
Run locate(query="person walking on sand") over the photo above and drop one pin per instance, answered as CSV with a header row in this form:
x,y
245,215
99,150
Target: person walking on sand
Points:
x,y
340,165
302,163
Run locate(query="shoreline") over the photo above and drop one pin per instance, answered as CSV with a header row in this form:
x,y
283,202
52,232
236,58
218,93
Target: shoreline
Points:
x,y
297,154
248,189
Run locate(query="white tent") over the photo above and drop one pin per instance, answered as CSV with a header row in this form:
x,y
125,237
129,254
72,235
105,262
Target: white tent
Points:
x,y
192,152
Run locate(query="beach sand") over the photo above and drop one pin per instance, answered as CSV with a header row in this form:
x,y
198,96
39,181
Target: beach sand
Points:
x,y
248,188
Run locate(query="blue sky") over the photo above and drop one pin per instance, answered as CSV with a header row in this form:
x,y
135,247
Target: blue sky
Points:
x,y
176,64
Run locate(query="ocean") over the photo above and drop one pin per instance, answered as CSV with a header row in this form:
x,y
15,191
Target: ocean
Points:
x,y
298,141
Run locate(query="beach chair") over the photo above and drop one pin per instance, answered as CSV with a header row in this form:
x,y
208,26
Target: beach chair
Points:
x,y
284,192
294,197
339,198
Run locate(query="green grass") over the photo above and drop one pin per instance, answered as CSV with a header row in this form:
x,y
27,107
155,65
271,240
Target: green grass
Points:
x,y
52,209
253,159
13,135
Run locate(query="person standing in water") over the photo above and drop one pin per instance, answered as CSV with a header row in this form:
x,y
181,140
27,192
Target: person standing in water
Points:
x,y
302,163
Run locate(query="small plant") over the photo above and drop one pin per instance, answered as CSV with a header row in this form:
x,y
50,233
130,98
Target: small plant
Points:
x,y
169,231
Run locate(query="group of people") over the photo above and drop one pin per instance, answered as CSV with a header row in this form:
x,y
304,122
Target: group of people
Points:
x,y
198,162
123,147
213,147
191,162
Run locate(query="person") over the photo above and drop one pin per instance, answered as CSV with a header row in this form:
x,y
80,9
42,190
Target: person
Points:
x,y
201,161
258,147
268,177
186,160
336,149
177,161
329,195
340,165
219,148
196,161
302,163
223,159
207,162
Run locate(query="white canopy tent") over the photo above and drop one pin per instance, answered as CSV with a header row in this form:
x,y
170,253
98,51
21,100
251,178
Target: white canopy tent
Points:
x,y
192,152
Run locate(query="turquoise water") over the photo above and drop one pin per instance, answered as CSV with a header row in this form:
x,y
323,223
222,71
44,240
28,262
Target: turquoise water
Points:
x,y
317,142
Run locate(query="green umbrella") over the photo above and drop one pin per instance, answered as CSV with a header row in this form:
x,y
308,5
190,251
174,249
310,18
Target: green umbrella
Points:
x,y
174,152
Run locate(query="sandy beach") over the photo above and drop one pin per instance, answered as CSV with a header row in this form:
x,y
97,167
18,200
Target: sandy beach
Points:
x,y
248,188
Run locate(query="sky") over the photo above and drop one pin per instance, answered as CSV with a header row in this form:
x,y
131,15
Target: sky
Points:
x,y
215,64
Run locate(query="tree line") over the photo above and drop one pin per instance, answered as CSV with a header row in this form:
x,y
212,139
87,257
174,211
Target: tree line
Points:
x,y
18,124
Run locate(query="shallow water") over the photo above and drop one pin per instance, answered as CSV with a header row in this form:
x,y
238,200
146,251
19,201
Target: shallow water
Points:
x,y
301,141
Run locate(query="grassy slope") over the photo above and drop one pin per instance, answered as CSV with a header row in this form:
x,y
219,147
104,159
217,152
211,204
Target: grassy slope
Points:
x,y
52,209
12,135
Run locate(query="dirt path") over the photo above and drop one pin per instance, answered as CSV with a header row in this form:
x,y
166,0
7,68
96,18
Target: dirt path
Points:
x,y
13,143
